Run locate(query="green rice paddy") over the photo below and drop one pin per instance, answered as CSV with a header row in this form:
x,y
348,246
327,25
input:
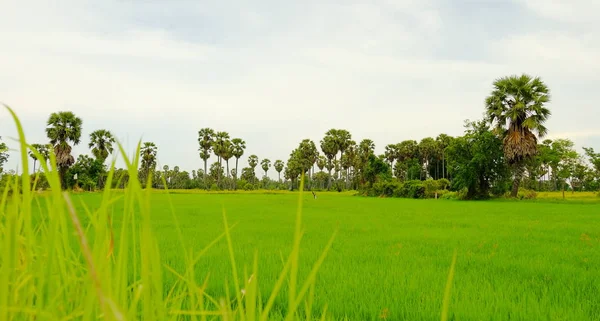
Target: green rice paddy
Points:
x,y
390,258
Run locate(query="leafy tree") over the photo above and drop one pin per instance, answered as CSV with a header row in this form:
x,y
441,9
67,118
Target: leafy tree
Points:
x,y
101,143
377,170
64,128
205,141
148,160
476,161
517,108
88,171
279,165
248,174
265,164
216,171
594,159
564,160
3,155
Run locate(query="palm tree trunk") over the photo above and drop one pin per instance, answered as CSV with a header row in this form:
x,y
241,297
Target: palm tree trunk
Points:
x,y
227,162
34,161
205,173
517,180
444,164
236,173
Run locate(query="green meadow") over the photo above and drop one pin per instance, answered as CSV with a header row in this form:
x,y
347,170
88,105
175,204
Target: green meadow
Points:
x,y
390,258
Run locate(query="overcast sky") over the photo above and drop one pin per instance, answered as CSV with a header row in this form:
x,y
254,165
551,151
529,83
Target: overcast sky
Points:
x,y
276,72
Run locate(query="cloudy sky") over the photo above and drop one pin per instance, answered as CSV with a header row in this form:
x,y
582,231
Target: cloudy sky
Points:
x,y
276,72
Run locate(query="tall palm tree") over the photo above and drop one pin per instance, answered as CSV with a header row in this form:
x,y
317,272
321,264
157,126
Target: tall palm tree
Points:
x,y
220,148
279,167
238,147
40,148
265,164
330,149
227,154
205,141
64,128
148,156
253,161
101,142
517,108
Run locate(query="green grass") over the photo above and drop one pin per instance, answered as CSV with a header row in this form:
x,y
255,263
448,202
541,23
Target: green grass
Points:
x,y
144,255
515,260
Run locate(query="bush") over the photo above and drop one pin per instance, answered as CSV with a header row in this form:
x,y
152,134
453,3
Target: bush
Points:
x,y
449,196
214,187
443,183
431,186
412,189
526,194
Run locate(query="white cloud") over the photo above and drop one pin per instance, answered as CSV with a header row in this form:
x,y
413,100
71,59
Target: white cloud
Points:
x,y
272,73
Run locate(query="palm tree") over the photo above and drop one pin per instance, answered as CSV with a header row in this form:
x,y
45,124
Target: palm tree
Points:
x,y
238,147
40,148
279,167
516,107
64,127
220,147
148,156
205,141
101,142
253,161
227,154
265,164
330,149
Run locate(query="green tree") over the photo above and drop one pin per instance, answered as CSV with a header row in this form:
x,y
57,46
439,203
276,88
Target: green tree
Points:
x,y
238,147
253,162
564,160
427,151
221,148
517,107
594,159
148,153
443,142
64,128
279,165
329,146
101,143
391,154
205,141
42,149
3,155
265,164
476,161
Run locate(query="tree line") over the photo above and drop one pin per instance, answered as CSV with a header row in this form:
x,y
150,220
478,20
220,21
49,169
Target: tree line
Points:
x,y
497,154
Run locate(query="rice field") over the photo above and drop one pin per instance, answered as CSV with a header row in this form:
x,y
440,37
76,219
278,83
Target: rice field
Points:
x,y
390,258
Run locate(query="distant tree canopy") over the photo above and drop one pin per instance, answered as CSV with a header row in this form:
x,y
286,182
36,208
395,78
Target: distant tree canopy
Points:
x,y
495,155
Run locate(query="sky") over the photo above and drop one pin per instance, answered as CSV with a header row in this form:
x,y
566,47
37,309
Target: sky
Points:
x,y
276,72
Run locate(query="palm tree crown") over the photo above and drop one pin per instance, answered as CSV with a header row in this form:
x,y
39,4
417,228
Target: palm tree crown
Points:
x,y
101,143
516,107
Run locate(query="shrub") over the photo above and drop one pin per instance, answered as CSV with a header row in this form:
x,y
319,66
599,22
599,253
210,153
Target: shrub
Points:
x,y
412,189
443,183
526,194
214,187
449,196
